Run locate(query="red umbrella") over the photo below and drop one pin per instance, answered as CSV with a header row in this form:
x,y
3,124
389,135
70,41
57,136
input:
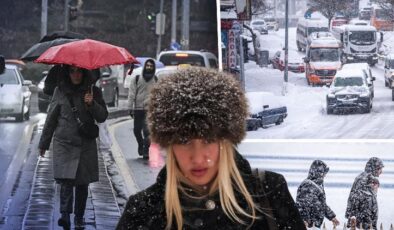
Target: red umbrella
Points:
x,y
87,53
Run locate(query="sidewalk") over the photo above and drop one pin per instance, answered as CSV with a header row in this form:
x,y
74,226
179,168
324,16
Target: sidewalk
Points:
x,y
102,211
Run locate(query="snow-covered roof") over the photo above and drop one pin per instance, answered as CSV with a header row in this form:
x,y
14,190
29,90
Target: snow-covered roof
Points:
x,y
349,72
357,28
362,65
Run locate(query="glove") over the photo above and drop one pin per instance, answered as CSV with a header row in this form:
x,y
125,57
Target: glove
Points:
x,y
131,113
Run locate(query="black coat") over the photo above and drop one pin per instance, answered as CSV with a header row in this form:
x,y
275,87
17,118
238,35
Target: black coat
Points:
x,y
146,209
311,197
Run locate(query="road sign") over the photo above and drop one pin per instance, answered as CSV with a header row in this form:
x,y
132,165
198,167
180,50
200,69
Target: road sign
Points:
x,y
160,23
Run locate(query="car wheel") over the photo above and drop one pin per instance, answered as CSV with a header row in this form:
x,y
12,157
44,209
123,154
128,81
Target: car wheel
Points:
x,y
115,101
19,117
279,121
299,47
27,115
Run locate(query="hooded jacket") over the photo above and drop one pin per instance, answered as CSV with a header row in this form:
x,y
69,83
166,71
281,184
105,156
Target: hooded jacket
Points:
x,y
311,197
139,90
146,209
372,167
363,204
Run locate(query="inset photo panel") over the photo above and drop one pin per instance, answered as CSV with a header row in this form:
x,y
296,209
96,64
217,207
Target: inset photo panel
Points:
x,y
312,69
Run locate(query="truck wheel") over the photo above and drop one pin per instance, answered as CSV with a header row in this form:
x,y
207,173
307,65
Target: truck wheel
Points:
x,y
392,95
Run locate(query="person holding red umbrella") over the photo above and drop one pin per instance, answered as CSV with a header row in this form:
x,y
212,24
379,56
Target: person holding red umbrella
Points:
x,y
75,108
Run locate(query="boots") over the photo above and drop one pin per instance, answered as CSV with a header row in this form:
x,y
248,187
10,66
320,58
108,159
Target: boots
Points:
x,y
64,221
79,222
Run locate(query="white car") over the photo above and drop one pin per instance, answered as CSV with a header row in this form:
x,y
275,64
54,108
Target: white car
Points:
x,y
14,94
272,24
259,25
367,71
349,91
189,57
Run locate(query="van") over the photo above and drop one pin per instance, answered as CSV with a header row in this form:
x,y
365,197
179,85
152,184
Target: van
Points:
x,y
190,57
307,26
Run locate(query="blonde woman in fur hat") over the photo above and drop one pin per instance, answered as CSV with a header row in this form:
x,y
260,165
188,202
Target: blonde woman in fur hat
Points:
x,y
198,116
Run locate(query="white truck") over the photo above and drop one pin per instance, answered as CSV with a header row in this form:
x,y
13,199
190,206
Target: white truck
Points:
x,y
359,43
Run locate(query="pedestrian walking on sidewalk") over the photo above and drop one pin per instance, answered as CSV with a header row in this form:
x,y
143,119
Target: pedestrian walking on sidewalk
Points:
x,y
139,89
75,108
374,166
199,115
363,204
311,197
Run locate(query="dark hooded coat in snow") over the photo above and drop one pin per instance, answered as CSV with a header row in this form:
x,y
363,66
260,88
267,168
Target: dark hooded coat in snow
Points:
x,y
74,157
363,204
146,209
311,197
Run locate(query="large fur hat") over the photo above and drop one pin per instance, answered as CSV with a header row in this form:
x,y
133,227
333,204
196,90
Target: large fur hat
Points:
x,y
197,103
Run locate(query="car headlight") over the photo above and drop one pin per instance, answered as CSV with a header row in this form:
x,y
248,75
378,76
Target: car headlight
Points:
x,y
41,85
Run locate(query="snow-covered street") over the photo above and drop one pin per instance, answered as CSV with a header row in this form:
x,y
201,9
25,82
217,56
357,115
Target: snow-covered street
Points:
x,y
307,105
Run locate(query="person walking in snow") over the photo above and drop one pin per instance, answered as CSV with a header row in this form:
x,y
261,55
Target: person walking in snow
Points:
x,y
362,210
139,89
198,115
75,160
311,197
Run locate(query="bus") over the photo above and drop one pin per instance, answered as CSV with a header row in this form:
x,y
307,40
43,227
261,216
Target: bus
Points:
x,y
381,19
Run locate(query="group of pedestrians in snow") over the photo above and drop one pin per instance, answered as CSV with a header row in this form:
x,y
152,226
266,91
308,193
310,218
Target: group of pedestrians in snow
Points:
x,y
362,205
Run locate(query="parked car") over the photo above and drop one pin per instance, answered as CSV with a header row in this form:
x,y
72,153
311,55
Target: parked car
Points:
x,y
259,25
264,110
272,24
367,72
14,94
389,73
43,99
108,83
295,62
349,91
190,57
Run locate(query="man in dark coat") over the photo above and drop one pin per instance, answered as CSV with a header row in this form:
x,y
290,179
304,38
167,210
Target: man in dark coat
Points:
x,y
374,166
311,197
363,204
280,212
139,89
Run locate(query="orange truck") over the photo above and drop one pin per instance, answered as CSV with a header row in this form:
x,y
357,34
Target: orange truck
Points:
x,y
322,58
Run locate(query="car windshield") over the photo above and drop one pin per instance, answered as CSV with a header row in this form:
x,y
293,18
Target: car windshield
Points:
x,y
382,14
258,23
8,77
324,54
348,81
182,58
362,37
317,29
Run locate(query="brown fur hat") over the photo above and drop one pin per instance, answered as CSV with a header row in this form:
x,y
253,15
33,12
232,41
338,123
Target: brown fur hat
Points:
x,y
197,103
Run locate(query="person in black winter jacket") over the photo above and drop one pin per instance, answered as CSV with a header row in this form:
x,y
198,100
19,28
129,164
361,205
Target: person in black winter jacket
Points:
x,y
311,197
198,115
363,204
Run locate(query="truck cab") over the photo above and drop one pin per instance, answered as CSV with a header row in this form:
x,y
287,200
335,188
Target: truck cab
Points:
x,y
322,58
359,43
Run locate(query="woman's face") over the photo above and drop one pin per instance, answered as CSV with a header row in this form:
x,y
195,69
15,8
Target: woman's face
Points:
x,y
75,75
198,160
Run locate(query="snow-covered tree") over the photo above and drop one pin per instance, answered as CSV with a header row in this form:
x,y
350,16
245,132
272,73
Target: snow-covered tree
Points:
x,y
259,7
330,7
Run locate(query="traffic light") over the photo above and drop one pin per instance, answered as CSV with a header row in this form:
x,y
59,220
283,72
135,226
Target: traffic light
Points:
x,y
72,13
246,49
152,20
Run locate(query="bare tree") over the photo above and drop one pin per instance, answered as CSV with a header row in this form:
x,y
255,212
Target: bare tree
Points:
x,y
330,7
388,7
259,7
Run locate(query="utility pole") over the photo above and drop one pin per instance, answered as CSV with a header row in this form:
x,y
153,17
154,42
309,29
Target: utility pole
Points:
x,y
161,28
173,21
284,89
66,15
44,17
185,24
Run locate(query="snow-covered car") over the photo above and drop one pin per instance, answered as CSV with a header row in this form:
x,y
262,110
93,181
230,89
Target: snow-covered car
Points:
x,y
272,24
14,94
368,74
389,73
295,62
264,110
349,91
259,25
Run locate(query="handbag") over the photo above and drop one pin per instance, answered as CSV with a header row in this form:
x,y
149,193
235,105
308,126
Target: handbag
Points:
x,y
88,130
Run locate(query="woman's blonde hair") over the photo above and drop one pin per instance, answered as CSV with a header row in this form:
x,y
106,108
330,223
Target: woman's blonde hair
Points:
x,y
227,177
